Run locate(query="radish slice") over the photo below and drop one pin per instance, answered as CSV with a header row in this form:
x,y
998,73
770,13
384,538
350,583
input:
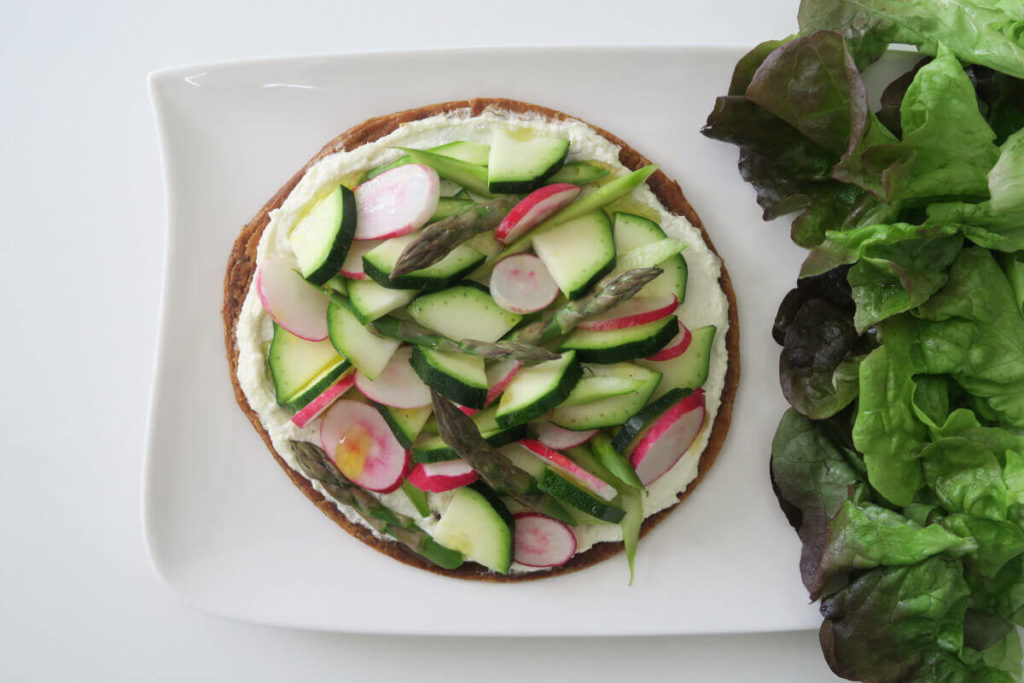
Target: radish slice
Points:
x,y
540,541
396,202
352,268
361,444
499,375
638,310
522,284
557,438
438,477
466,410
558,461
293,303
533,209
668,437
676,347
397,385
323,401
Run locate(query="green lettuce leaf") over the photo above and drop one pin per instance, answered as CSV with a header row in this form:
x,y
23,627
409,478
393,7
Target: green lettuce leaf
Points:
x,y
986,32
947,147
898,266
886,430
973,330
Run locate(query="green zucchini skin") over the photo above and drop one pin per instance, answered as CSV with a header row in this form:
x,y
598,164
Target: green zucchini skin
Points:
x,y
636,424
560,487
334,254
622,345
545,402
429,366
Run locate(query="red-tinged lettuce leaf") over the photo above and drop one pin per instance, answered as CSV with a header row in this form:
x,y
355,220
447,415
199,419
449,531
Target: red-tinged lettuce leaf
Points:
x,y
813,84
824,495
896,624
789,172
745,69
985,32
818,365
947,147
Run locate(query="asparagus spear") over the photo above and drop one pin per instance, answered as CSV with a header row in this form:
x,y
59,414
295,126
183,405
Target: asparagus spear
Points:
x,y
459,432
315,463
438,239
412,333
603,297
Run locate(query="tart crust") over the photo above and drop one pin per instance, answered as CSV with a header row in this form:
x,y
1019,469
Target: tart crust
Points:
x,y
241,268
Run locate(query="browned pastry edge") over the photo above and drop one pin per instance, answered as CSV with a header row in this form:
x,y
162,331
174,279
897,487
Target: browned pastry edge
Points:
x,y
242,264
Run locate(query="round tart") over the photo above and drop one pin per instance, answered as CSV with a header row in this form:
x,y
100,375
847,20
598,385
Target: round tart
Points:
x,y
345,160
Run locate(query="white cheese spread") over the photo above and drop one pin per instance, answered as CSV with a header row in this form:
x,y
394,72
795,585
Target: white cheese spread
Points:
x,y
705,304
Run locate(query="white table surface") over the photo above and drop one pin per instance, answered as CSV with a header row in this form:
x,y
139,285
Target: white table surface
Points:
x,y
82,252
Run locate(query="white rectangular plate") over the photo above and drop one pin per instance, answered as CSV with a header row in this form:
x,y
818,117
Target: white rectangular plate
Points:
x,y
225,527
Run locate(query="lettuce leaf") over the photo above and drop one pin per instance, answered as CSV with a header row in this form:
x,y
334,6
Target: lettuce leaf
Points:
x,y
986,32
898,266
947,147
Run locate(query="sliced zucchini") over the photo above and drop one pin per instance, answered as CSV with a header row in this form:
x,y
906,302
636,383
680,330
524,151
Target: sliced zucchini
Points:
x,y
477,524
690,369
580,173
520,160
463,312
370,301
612,346
431,448
321,238
578,497
368,352
454,375
578,253
592,388
537,389
470,152
380,261
632,231
302,369
613,410
470,176
632,427
405,423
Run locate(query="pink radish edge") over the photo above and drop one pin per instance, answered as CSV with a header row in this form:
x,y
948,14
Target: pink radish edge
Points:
x,y
534,208
503,372
352,268
521,283
319,404
562,463
293,303
397,385
557,438
540,541
396,202
386,461
438,477
676,347
665,441
638,310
